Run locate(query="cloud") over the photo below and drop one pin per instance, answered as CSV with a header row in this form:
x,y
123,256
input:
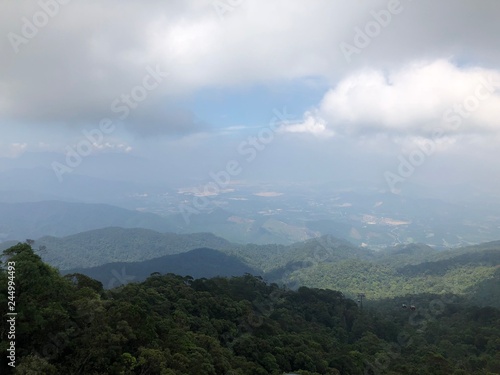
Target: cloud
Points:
x,y
398,88
110,146
416,101
311,124
73,69
12,150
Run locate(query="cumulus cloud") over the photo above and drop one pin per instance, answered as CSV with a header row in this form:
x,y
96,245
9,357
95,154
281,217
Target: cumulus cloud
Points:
x,y
389,98
311,124
73,69
416,100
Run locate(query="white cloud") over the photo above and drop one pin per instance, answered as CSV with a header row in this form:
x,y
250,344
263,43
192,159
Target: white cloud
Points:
x,y
415,100
73,69
388,99
311,124
12,150
113,146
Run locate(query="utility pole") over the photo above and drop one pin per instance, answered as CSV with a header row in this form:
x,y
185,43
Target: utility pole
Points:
x,y
360,299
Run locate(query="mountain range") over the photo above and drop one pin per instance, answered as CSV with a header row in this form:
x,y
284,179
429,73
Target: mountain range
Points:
x,y
19,221
198,263
119,255
247,213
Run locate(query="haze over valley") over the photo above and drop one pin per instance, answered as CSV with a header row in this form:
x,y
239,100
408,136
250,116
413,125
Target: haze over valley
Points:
x,y
233,187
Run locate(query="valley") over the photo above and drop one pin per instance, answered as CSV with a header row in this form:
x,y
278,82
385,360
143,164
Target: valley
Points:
x,y
228,187
322,262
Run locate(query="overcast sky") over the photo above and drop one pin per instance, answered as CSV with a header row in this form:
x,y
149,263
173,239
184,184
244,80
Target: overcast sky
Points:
x,y
314,90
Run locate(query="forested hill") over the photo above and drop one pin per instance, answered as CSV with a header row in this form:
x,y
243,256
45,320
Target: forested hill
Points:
x,y
115,244
106,245
172,325
324,262
469,272
197,263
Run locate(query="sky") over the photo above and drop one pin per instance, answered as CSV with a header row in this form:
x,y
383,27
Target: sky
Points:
x,y
389,93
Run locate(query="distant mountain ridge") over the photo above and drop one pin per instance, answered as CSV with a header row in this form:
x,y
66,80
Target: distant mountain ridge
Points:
x,y
19,221
323,262
198,263
113,244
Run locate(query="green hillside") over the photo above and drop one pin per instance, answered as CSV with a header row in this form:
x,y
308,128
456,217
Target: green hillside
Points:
x,y
411,270
324,262
198,263
173,325
100,246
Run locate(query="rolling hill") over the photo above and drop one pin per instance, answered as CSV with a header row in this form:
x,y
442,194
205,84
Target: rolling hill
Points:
x,y
324,262
471,271
100,246
198,263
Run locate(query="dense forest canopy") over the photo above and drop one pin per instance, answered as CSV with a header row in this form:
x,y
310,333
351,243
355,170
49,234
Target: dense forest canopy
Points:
x,y
171,324
111,255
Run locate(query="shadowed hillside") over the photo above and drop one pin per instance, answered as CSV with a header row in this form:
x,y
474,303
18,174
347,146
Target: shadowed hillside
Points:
x,y
197,263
